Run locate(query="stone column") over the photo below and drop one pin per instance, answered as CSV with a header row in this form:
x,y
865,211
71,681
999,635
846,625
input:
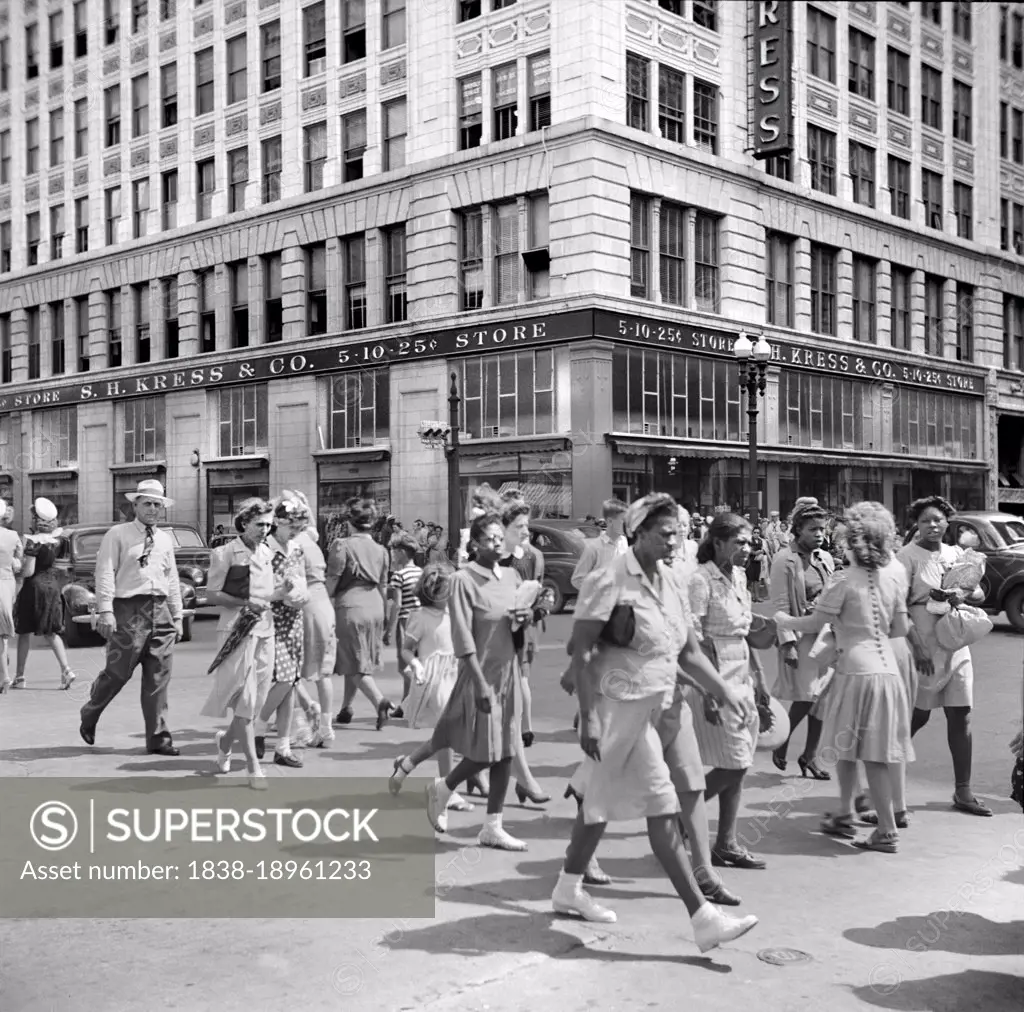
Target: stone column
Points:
x,y
883,300
689,264
45,338
949,319
293,293
590,368
654,256
222,310
844,293
129,346
98,347
335,287
917,308
157,322
188,315
802,284
257,325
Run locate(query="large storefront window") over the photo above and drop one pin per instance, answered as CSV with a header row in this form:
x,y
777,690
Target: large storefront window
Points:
x,y
62,491
243,420
668,394
541,475
508,394
339,481
827,412
145,429
701,485
227,490
56,438
834,486
929,424
358,408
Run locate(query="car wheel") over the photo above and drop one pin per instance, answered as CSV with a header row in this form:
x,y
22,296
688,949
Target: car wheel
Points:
x,y
1014,607
186,629
559,606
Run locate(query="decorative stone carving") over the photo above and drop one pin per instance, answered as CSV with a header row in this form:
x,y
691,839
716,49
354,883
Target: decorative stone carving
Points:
x,y
56,86
5,202
5,110
537,22
392,72
314,98
81,177
469,45
963,161
56,184
963,60
270,113
111,65
140,53
821,103
264,4
899,27
236,125
863,119
671,38
236,12
168,147
204,136
168,41
899,133
112,166
932,147
81,76
202,26
863,10
140,156
32,193
502,35
706,52
355,84
931,44
32,98
638,25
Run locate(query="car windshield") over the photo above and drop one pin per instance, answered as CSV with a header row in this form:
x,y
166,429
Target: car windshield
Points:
x,y
1011,531
89,543
187,538
561,541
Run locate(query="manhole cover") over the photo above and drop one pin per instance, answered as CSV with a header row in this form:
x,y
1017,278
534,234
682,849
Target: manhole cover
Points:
x,y
783,957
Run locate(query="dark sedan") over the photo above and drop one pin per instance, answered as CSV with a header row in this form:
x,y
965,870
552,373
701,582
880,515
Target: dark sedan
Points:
x,y
561,544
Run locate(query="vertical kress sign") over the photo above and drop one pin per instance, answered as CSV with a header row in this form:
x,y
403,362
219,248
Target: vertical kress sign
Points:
x,y
773,78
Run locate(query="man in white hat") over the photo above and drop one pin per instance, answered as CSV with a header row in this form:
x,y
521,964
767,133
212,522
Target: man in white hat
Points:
x,y
138,599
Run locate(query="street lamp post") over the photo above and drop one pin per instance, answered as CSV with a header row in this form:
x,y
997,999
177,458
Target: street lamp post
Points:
x,y
753,359
452,453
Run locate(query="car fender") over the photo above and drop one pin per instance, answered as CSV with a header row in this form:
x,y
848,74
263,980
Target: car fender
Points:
x,y
77,596
1009,586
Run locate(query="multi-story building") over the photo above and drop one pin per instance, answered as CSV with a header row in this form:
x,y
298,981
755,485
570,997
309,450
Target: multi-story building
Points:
x,y
244,245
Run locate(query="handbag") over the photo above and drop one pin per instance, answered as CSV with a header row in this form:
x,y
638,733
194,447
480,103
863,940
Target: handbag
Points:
x,y
762,633
962,626
236,583
620,628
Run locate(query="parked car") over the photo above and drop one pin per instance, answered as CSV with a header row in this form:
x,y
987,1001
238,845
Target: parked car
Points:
x,y
76,559
561,544
1001,540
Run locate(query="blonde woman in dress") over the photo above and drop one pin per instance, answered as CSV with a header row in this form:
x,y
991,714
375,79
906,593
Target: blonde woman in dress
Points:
x,y
241,574
867,713
11,553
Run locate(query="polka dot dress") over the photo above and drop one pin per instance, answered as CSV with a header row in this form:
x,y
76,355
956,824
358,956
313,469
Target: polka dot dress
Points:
x,y
288,627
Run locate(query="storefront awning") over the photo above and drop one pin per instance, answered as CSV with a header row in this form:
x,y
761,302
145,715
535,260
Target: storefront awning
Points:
x,y
248,462
56,473
140,467
660,448
510,447
355,455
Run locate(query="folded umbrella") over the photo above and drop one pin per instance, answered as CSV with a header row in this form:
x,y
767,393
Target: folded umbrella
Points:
x,y
240,628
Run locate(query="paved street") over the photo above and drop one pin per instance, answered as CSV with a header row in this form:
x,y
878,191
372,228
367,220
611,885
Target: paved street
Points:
x,y
876,927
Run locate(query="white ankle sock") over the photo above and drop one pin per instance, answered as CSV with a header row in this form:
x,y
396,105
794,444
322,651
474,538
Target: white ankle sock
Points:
x,y
444,792
704,914
571,883
493,822
284,744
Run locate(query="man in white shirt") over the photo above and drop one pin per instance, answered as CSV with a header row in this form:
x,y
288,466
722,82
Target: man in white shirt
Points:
x,y
138,600
598,552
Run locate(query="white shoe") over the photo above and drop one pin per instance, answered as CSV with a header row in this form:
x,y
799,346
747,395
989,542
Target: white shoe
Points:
x,y
223,759
499,839
457,803
717,927
435,807
258,781
580,904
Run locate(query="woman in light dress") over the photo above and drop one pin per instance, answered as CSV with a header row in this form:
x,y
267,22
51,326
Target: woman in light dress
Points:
x,y
867,712
926,560
241,574
721,608
800,572
11,552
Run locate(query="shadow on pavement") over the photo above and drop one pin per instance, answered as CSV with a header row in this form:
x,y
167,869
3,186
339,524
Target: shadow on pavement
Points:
x,y
1015,877
965,933
953,992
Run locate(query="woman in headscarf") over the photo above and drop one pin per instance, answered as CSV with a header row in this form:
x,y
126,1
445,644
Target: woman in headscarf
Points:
x,y
11,552
800,572
39,608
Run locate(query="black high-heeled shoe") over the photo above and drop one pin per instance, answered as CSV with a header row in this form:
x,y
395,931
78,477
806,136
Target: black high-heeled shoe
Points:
x,y
384,710
344,715
524,795
809,768
779,761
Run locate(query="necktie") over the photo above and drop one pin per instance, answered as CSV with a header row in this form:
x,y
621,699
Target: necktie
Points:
x,y
147,546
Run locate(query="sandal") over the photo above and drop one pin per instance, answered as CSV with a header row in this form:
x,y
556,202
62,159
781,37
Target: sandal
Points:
x,y
871,819
884,843
973,807
838,825
738,858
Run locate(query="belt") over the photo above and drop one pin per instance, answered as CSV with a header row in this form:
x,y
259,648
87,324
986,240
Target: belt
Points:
x,y
143,597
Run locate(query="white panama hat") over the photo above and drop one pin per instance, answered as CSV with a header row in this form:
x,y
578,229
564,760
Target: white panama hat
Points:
x,y
149,488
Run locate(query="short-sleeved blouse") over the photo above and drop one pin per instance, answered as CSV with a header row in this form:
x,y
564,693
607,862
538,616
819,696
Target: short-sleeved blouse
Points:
x,y
316,564
261,579
925,569
358,563
429,631
720,604
647,667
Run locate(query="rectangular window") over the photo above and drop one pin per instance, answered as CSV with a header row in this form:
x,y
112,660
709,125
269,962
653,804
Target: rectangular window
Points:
x,y
237,69
353,145
112,215
353,26
1018,229
705,116
113,299
82,128
270,56
1004,25
1018,40
823,289
933,315
5,64
238,179
140,105
58,363
31,51
539,88
32,237
57,231
168,10
140,14
5,157
471,104
638,72
169,300
145,429
243,420
962,19
33,341
964,322
508,394
1004,224
705,14
471,259
238,274
169,95
206,289
821,153
56,138
393,23
354,251
6,355
32,146
394,274
537,257
672,250
204,82
864,301
899,187
899,307
1017,136
1004,130
82,225
962,106
1013,332
112,119
358,408
56,439
821,45
5,247
931,197
169,199
963,206
271,160
314,146
505,99
140,208
56,40
468,9
82,332
672,6
705,267
862,173
639,246
778,284
931,10
81,17
931,96
395,129
314,34
140,304
505,226
273,312
316,289
862,65
671,104
206,183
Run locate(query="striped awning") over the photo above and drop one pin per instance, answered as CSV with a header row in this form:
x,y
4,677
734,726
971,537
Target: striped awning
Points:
x,y
511,447
543,497
661,448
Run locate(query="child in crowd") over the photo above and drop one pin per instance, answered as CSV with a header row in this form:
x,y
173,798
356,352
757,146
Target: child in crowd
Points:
x,y
402,599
